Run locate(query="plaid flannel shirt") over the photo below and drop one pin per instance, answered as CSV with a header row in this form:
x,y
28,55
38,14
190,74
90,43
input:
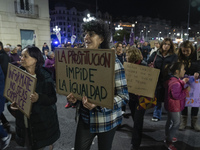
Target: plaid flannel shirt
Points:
x,y
103,119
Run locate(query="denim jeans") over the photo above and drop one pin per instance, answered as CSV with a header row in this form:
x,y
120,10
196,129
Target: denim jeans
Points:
x,y
160,94
157,113
172,124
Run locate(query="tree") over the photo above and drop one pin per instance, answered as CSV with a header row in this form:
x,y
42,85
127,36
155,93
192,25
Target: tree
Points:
x,y
119,35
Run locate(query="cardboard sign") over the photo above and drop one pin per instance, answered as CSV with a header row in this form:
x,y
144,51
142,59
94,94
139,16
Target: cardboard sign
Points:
x,y
193,99
198,48
19,86
86,72
141,80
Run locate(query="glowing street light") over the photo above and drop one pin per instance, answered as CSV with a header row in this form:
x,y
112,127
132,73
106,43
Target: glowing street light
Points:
x,y
118,28
89,18
141,32
56,29
159,35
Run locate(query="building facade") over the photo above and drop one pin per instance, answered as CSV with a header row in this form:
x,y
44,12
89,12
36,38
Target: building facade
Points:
x,y
69,21
25,22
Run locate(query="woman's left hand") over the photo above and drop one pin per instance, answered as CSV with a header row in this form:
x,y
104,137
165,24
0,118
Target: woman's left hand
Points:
x,y
196,75
34,97
13,106
87,104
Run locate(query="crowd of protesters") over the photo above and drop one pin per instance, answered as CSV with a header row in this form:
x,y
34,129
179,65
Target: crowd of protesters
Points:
x,y
175,65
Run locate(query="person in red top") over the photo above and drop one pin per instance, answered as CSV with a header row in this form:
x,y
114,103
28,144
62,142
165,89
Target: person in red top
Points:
x,y
174,103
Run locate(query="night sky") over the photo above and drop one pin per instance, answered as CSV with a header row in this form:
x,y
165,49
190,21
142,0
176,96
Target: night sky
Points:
x,y
174,10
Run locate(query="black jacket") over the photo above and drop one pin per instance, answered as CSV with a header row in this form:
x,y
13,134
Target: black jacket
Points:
x,y
43,126
192,65
161,62
4,60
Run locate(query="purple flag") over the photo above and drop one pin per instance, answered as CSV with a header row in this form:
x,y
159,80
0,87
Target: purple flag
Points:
x,y
131,39
124,41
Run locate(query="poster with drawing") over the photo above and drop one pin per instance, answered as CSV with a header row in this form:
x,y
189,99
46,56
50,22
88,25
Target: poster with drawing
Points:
x,y
193,99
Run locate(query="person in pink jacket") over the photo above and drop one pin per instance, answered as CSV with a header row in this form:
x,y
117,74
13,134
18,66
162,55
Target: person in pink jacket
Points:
x,y
174,103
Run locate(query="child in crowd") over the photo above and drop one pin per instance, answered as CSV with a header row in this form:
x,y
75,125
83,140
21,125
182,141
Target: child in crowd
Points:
x,y
175,95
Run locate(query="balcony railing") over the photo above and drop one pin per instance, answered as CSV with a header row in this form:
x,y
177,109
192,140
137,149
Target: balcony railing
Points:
x,y
26,10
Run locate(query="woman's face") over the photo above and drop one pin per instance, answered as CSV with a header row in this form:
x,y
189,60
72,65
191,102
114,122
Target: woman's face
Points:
x,y
186,51
14,51
119,48
46,53
166,46
92,40
27,60
127,57
52,55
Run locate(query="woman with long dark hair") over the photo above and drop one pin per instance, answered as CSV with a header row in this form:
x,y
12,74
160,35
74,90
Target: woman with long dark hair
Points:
x,y
164,55
187,55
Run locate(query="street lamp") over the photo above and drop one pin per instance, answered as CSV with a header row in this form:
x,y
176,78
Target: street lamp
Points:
x,y
198,34
169,34
148,32
89,18
141,34
57,30
159,35
118,28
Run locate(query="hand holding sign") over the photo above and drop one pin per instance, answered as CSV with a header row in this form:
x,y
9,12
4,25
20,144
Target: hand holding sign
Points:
x,y
71,98
13,106
185,80
87,104
188,88
19,87
34,97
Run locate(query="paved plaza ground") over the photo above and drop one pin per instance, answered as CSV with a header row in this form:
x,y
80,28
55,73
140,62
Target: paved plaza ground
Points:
x,y
153,133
